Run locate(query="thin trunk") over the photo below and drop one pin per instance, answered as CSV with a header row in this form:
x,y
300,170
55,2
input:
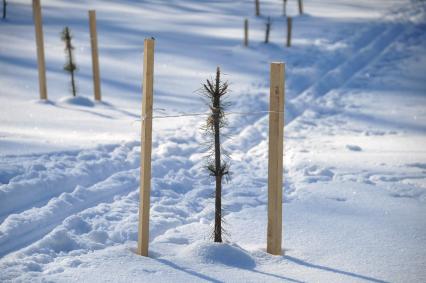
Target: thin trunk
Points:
x,y
218,167
4,9
289,27
218,212
268,27
284,8
246,32
73,83
257,8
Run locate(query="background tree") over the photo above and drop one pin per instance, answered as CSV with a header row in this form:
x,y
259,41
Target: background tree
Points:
x,y
69,65
268,29
4,9
284,8
216,165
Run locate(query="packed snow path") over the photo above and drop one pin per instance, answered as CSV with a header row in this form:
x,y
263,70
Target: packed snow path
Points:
x,y
355,163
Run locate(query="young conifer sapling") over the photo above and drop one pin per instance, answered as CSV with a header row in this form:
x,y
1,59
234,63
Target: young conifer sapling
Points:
x,y
214,91
70,65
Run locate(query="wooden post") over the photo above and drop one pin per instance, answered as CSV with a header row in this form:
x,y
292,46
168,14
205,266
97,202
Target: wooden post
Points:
x,y
289,27
275,159
245,32
146,143
300,7
40,49
95,55
257,8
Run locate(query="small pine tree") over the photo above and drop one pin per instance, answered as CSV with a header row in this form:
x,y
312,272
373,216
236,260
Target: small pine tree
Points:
x,y
69,66
214,91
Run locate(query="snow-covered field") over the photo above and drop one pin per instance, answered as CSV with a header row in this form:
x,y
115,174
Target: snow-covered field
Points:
x,y
355,143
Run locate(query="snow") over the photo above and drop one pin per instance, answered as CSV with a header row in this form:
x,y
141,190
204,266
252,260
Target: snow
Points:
x,y
355,160
77,100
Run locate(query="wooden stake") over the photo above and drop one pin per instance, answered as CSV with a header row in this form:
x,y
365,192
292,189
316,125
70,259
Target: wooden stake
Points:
x,y
95,55
289,27
300,7
146,144
275,162
246,32
257,8
40,49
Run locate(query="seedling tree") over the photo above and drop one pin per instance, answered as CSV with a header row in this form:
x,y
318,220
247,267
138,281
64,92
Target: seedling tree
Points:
x,y
214,91
69,66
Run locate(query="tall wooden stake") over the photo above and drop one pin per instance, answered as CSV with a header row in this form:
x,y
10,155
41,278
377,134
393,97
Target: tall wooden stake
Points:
x,y
146,144
289,27
300,7
95,55
257,7
246,32
40,49
275,162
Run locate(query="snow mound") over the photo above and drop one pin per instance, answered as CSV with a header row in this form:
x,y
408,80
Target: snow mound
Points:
x,y
219,253
77,100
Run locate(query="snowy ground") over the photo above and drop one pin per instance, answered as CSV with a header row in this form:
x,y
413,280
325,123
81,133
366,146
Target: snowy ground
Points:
x,y
355,136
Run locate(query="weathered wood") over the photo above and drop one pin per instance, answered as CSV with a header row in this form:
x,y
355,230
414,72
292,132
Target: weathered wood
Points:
x,y
289,27
146,147
95,55
246,32
257,7
300,7
40,49
275,159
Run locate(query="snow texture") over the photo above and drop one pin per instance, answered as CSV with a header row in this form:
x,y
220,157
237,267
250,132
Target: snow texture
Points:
x,y
355,133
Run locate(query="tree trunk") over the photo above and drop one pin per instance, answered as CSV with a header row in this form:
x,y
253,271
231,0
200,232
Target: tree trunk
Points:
x,y
218,211
73,83
268,28
4,9
218,167
284,8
